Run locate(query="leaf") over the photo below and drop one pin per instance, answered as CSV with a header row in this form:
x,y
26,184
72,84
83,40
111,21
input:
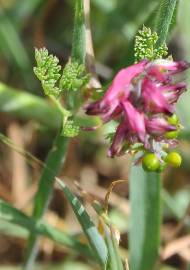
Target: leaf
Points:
x,y
183,22
10,214
27,106
12,47
95,239
114,261
144,231
163,19
79,40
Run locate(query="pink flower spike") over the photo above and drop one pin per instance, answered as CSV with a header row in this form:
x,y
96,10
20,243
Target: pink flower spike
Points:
x,y
135,120
140,98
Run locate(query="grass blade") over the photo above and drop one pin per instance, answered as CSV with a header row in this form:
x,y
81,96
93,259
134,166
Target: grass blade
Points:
x,y
58,152
26,106
78,44
12,215
163,19
144,232
95,239
11,45
54,162
114,261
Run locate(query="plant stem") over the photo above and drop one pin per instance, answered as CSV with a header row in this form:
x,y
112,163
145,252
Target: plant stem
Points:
x,y
54,162
79,40
163,19
144,236
58,151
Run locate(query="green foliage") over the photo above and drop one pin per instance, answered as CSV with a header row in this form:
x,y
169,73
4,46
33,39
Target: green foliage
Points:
x,y
145,45
95,239
70,129
26,106
144,232
74,77
12,215
79,35
164,17
47,71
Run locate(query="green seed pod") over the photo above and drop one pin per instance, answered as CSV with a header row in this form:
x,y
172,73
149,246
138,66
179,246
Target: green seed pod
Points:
x,y
150,162
172,134
174,159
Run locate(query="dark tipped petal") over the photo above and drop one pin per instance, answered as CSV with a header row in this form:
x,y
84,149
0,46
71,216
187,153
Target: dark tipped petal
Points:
x,y
96,108
158,126
119,138
153,98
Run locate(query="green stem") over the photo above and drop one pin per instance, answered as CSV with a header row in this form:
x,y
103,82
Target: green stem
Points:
x,y
144,233
163,19
79,39
65,113
54,162
58,152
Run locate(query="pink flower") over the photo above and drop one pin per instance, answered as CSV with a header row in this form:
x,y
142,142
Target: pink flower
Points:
x,y
141,97
110,105
158,126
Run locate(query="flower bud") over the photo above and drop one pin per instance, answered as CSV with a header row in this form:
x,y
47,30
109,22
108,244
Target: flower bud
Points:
x,y
173,120
174,159
172,134
150,162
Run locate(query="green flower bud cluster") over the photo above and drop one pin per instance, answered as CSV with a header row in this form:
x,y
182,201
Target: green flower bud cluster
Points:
x,y
145,42
47,71
73,77
70,129
173,120
151,163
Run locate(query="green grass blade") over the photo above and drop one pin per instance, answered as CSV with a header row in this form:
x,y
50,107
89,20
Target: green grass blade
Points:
x,y
79,43
12,47
12,215
144,232
164,19
54,162
114,259
96,241
57,154
25,9
26,106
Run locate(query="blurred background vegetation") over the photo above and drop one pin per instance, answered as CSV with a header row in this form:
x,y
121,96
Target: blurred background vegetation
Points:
x,y
25,24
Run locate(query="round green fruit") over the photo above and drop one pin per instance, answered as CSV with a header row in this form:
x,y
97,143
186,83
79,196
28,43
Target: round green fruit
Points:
x,y
150,162
174,159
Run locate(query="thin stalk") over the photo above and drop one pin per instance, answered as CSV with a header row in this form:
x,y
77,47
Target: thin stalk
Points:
x,y
145,188
144,232
163,19
54,162
56,156
79,40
